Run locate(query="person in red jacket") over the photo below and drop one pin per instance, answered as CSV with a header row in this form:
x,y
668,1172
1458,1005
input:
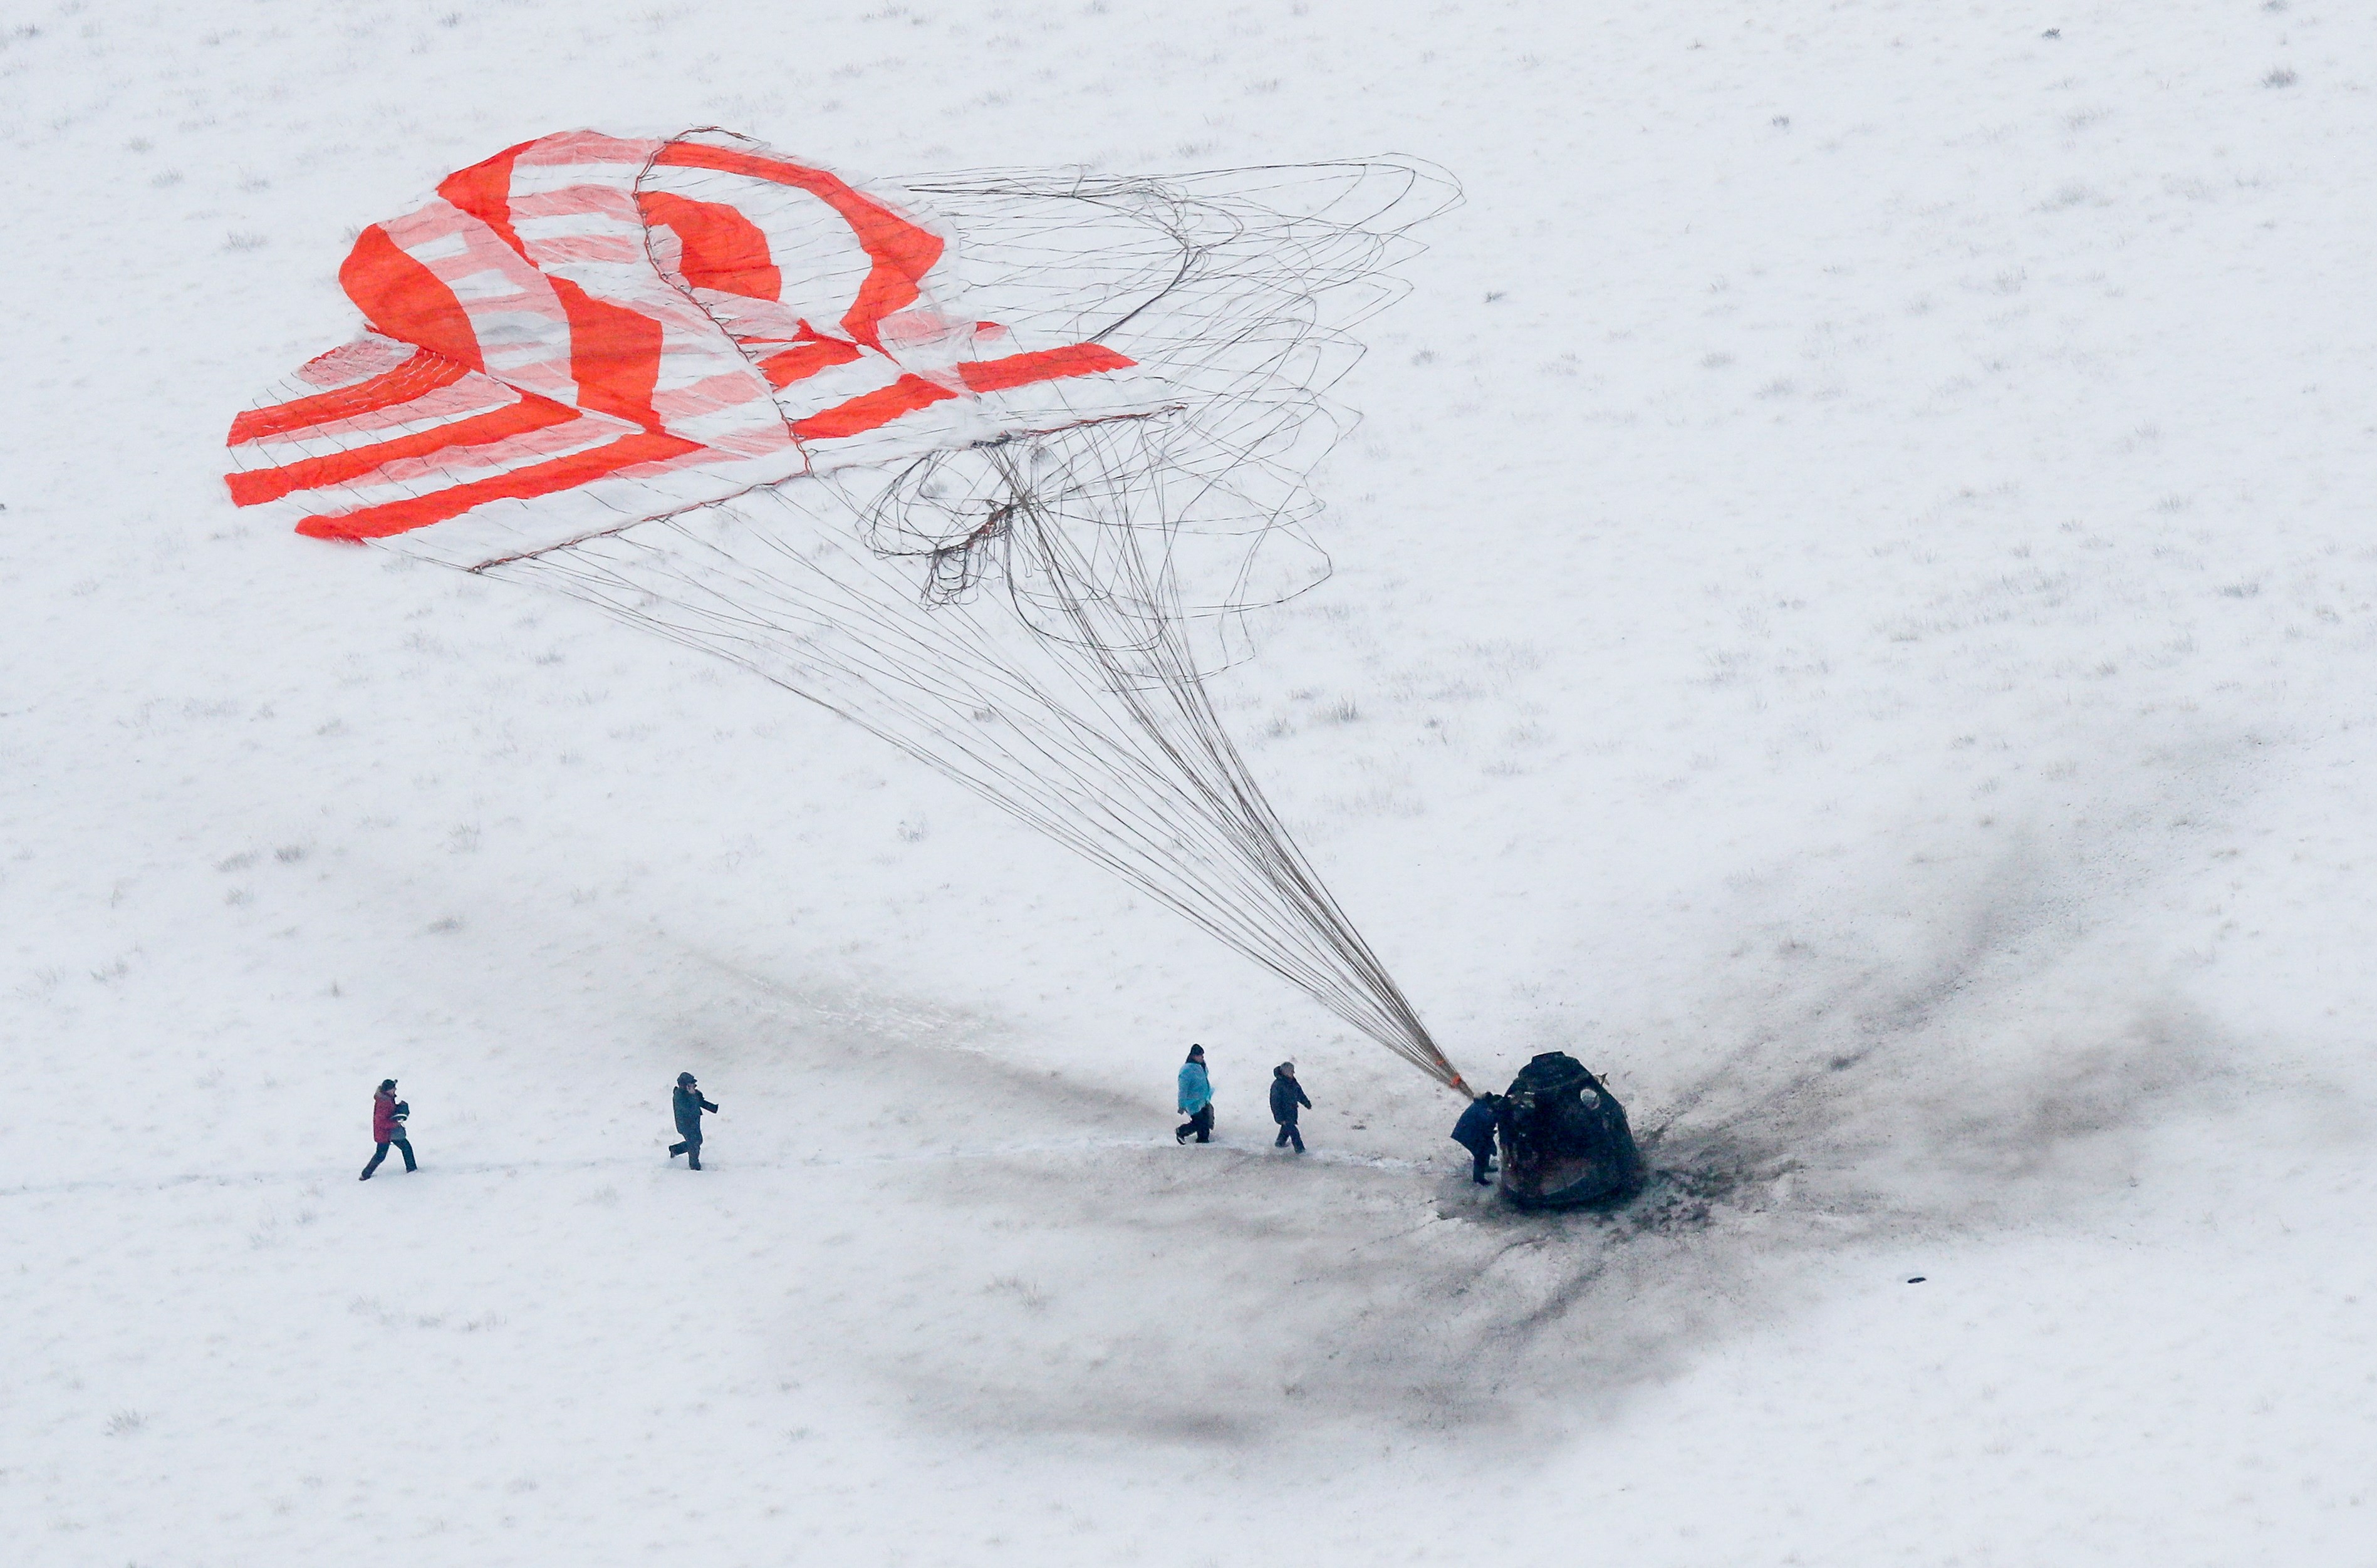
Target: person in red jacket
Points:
x,y
387,1127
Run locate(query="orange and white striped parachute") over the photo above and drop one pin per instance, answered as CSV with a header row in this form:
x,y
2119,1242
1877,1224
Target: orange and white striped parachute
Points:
x,y
990,463
585,331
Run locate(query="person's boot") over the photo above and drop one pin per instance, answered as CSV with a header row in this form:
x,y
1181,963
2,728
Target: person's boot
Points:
x,y
693,1160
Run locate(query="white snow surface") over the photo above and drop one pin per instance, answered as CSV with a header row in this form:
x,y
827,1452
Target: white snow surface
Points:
x,y
1853,614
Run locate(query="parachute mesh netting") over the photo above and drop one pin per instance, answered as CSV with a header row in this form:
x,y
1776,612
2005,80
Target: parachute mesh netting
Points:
x,y
1032,616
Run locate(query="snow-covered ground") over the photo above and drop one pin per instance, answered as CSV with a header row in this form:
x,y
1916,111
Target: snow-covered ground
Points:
x,y
1853,613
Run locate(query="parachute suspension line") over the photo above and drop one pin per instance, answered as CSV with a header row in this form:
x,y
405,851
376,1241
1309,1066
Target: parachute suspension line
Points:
x,y
1177,712
1034,615
1143,780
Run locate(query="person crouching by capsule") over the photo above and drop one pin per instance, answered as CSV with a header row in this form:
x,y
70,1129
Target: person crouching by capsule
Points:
x,y
388,1128
1286,1093
1196,1099
688,1103
1474,1132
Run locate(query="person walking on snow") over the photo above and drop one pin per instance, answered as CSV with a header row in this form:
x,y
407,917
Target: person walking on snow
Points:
x,y
688,1105
1196,1099
1286,1093
387,1127
1474,1132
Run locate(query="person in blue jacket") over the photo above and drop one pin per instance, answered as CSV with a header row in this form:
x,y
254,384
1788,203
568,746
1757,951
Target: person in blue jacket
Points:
x,y
688,1103
1474,1132
1286,1093
1196,1099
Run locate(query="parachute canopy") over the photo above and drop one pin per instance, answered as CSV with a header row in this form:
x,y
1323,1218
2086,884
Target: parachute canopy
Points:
x,y
994,464
584,331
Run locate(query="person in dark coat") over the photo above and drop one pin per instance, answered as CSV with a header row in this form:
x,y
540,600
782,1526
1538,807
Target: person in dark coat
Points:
x,y
388,1128
688,1105
1286,1093
1474,1132
1196,1099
